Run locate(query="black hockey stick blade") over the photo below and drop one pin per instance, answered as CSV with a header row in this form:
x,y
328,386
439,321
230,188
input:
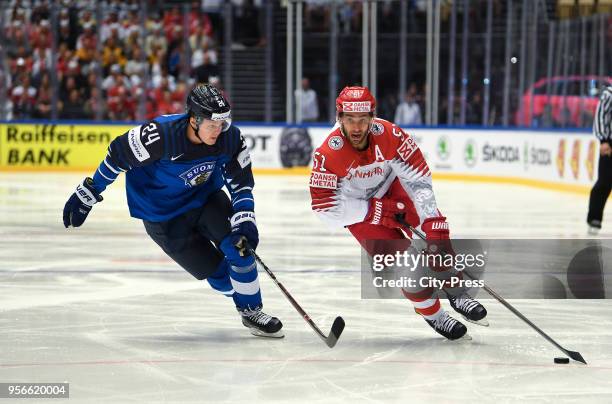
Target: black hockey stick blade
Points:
x,y
575,356
337,326
334,334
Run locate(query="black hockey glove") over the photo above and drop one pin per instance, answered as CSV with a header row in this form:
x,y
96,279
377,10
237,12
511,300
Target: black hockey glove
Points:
x,y
78,206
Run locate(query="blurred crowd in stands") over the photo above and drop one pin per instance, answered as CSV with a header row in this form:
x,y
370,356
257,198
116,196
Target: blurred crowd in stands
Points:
x,y
105,67
136,59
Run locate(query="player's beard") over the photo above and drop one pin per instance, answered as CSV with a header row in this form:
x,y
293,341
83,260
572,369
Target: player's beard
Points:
x,y
359,140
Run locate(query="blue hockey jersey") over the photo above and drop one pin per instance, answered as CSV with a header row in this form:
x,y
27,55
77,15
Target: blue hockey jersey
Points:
x,y
167,175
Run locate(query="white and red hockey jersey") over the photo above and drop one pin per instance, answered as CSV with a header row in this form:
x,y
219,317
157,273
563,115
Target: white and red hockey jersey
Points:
x,y
343,179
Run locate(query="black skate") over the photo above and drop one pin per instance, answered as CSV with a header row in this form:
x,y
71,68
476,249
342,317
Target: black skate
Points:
x,y
469,308
261,324
448,327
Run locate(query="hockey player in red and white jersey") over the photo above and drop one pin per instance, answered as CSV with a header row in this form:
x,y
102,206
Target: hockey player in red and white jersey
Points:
x,y
368,171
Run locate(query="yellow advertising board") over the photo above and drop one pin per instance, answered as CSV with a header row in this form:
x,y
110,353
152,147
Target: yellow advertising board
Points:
x,y
55,147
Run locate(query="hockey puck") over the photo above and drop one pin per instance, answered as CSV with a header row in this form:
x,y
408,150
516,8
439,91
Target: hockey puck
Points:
x,y
561,360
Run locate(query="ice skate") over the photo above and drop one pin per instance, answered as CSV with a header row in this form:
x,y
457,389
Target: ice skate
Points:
x,y
261,324
469,308
449,327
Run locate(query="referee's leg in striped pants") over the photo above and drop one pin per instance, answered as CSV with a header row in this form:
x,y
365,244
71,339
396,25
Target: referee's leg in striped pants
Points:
x,y
600,192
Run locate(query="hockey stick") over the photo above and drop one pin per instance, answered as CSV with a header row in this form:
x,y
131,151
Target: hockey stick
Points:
x,y
572,354
337,326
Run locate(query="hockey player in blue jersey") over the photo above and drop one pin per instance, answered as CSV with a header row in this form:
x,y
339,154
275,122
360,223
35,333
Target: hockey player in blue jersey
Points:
x,y
176,167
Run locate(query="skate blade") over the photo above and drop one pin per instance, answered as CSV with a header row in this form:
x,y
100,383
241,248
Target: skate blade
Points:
x,y
258,333
483,322
465,337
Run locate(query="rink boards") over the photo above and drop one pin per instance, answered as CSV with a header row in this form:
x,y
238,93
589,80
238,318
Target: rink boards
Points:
x,y
550,159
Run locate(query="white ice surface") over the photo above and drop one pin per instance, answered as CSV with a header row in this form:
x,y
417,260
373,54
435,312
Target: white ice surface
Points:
x,y
102,307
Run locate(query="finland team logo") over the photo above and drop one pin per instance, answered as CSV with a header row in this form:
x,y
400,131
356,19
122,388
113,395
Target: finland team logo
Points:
x,y
335,143
198,175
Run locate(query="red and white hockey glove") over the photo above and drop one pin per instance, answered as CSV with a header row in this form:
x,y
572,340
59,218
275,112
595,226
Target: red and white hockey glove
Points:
x,y
436,228
437,235
383,212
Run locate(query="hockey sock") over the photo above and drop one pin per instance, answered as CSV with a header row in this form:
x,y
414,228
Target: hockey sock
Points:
x,y
429,306
220,280
246,285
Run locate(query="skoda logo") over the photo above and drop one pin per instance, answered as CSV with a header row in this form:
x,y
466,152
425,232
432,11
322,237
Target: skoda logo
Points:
x,y
469,153
443,148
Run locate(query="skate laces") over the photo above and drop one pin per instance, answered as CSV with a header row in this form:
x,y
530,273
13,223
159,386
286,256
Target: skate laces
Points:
x,y
257,316
465,302
445,323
